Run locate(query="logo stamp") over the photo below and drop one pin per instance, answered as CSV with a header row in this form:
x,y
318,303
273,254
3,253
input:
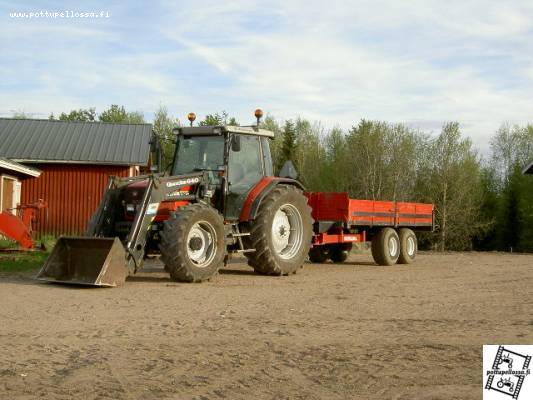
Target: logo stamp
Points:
x,y
506,372
181,182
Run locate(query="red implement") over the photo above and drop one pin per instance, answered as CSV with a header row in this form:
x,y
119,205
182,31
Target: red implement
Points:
x,y
13,227
18,228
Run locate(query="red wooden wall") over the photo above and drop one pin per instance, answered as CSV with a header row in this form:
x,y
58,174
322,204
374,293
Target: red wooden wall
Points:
x,y
72,191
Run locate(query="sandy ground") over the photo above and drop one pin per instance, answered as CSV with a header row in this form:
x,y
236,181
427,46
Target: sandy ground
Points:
x,y
351,331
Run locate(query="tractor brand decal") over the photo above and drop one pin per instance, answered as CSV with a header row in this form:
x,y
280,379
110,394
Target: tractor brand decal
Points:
x,y
178,193
152,208
188,181
507,372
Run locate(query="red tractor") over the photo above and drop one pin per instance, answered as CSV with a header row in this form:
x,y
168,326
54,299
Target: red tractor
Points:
x,y
220,198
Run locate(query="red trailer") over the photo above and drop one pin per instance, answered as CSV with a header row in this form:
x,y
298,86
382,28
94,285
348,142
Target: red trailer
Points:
x,y
341,221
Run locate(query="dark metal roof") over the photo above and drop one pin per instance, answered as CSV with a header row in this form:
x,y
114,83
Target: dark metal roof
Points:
x,y
529,169
46,141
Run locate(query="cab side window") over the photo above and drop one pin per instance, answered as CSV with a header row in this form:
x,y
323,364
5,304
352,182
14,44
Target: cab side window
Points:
x,y
245,166
267,157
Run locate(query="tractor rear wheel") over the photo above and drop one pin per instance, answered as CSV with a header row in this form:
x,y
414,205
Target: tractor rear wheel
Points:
x,y
193,243
386,247
339,252
408,246
318,254
281,232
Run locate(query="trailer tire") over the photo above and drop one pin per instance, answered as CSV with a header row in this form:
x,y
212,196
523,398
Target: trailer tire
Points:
x,y
318,254
386,247
193,243
339,252
408,246
281,232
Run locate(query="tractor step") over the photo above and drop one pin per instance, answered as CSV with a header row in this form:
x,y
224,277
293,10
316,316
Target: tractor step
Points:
x,y
245,251
241,234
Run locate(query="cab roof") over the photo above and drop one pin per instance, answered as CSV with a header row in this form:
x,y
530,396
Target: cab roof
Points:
x,y
220,129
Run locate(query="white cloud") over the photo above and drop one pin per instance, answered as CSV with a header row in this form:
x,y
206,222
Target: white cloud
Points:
x,y
318,65
421,62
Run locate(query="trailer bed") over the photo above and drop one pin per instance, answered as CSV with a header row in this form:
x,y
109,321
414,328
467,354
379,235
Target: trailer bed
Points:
x,y
338,207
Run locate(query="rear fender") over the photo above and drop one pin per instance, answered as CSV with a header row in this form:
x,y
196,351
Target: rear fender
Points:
x,y
259,192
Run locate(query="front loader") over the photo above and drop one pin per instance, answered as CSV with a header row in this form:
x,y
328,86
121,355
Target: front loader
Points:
x,y
101,258
220,197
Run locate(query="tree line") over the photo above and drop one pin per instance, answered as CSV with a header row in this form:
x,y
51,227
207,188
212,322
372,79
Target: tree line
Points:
x,y
481,202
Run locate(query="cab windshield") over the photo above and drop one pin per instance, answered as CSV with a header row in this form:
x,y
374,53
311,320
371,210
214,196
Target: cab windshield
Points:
x,y
196,153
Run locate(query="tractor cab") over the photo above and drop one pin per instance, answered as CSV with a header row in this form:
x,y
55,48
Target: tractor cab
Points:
x,y
234,159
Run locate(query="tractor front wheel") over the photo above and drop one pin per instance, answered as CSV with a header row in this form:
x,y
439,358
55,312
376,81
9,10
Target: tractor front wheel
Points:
x,y
281,232
192,243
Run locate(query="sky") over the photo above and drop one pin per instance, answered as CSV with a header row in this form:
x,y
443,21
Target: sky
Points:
x,y
419,62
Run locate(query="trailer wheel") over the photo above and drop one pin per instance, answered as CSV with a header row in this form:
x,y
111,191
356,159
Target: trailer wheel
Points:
x,y
281,232
339,252
386,247
408,246
193,243
318,254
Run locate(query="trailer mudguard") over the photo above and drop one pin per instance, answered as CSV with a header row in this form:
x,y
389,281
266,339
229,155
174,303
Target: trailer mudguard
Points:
x,y
259,192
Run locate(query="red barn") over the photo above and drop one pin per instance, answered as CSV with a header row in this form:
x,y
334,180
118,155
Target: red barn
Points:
x,y
74,160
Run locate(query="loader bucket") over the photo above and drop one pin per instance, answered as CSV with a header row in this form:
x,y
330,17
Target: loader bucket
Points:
x,y
86,261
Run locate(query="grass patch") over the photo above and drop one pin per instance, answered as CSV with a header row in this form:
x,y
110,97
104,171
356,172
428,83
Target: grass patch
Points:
x,y
48,241
22,261
7,244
